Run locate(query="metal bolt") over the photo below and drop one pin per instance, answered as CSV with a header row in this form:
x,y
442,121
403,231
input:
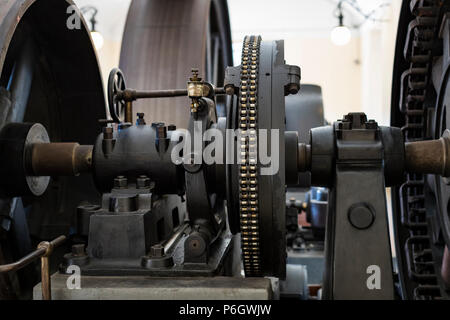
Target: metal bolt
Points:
x,y
361,216
78,250
107,133
195,75
120,182
142,182
140,120
229,90
371,124
162,132
157,251
157,124
294,88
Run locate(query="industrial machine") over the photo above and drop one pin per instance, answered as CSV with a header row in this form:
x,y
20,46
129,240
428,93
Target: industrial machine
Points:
x,y
190,181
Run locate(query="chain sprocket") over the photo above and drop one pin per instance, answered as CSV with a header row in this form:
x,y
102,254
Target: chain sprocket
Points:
x,y
248,167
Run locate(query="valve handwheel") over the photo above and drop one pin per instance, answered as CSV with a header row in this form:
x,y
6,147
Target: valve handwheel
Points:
x,y
116,83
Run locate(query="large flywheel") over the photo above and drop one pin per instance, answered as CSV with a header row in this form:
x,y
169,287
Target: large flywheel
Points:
x,y
164,40
419,102
49,74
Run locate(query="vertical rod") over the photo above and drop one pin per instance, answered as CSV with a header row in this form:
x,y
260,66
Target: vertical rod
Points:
x,y
129,112
45,279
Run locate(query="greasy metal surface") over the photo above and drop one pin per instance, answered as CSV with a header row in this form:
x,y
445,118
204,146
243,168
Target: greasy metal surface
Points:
x,y
162,41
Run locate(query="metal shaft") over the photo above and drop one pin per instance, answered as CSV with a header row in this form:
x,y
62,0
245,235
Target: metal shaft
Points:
x,y
424,157
129,112
428,157
19,264
131,95
60,159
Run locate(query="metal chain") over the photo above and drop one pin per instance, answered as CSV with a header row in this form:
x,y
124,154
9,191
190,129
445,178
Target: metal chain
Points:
x,y
415,81
248,167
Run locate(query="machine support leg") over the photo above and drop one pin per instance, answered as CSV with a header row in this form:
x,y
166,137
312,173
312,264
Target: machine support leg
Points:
x,y
358,250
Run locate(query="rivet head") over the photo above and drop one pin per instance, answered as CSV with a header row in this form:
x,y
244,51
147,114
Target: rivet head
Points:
x,y
361,216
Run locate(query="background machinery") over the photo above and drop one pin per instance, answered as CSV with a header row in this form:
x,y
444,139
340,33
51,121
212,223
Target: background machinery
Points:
x,y
134,192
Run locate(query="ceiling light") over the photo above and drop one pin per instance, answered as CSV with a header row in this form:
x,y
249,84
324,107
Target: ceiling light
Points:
x,y
341,35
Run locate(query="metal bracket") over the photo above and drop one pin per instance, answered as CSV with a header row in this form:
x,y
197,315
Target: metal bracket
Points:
x,y
358,253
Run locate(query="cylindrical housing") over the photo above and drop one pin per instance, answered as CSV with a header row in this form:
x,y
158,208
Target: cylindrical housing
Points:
x,y
137,151
60,159
322,142
394,155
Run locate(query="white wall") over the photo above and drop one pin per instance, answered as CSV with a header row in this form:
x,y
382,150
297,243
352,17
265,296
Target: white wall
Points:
x,y
305,25
111,19
336,69
377,56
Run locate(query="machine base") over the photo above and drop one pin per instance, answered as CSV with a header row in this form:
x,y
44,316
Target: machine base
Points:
x,y
147,288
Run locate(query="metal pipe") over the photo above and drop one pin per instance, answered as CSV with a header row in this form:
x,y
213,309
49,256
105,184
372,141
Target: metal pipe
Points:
x,y
19,264
129,112
170,242
36,254
60,159
46,286
131,95
45,279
